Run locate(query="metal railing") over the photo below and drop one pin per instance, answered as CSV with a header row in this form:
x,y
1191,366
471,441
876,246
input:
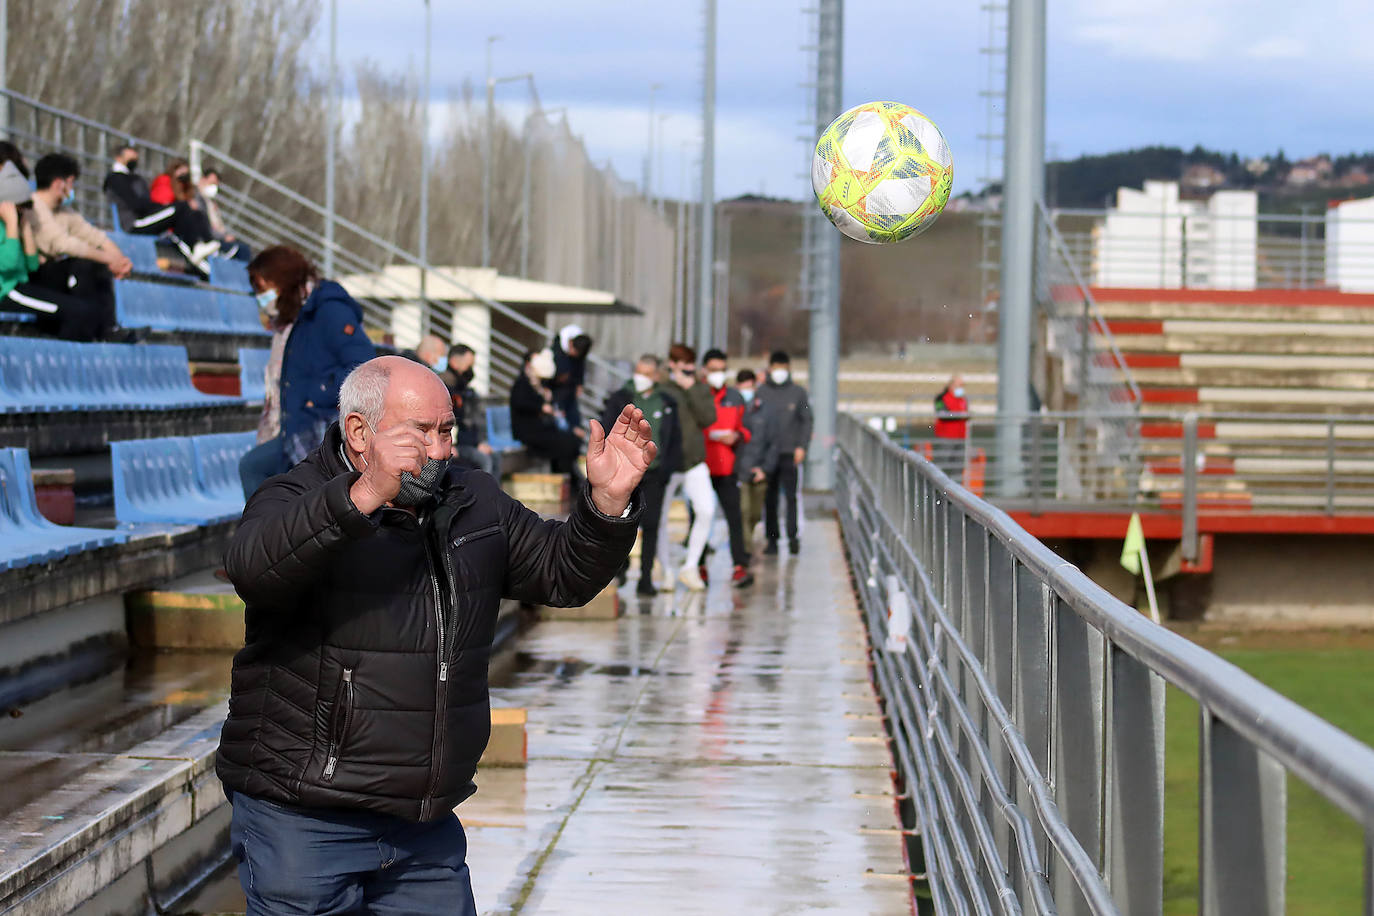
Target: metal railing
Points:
x,y
1027,712
263,212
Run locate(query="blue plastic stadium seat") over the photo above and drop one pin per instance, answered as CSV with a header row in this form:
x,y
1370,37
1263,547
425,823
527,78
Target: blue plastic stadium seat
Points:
x,y
140,249
26,537
253,374
41,376
168,307
156,481
240,313
499,435
18,317
217,464
230,274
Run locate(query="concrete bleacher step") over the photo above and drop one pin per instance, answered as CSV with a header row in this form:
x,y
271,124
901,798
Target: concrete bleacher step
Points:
x,y
198,611
1255,374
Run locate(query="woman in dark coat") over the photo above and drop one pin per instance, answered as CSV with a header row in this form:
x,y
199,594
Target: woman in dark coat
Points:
x,y
533,418
326,342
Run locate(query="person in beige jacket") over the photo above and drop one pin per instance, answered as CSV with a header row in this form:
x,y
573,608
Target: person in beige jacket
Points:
x,y
75,257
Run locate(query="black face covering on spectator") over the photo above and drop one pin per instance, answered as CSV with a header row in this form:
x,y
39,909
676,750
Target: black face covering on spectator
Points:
x,y
464,378
416,491
132,165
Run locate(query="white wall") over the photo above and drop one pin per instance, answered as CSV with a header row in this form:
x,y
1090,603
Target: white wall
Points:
x,y
1147,238
1350,246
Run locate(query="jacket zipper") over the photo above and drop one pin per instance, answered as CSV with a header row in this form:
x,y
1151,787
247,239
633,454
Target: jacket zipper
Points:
x,y
440,698
336,735
462,628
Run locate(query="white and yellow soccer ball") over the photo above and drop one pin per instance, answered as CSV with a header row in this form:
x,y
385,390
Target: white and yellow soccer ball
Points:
x,y
882,172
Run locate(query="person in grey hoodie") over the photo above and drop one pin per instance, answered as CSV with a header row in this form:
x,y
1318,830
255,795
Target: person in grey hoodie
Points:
x,y
788,412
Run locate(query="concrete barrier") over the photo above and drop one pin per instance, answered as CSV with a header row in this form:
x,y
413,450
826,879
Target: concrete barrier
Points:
x,y
508,746
605,606
198,612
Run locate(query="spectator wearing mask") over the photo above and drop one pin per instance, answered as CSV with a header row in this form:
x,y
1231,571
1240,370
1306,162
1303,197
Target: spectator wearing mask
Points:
x,y
570,349
660,410
75,258
951,426
533,418
789,419
470,422
753,455
432,352
141,215
55,313
696,411
207,194
268,458
724,438
326,342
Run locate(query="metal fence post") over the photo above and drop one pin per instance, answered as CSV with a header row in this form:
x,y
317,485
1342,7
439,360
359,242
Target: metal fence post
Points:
x,y
1189,469
1135,785
1244,798
1331,467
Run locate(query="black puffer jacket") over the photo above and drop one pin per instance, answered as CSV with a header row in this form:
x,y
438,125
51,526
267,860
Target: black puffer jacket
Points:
x,y
363,680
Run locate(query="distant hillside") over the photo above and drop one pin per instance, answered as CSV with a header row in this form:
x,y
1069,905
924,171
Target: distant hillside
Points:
x,y
1091,181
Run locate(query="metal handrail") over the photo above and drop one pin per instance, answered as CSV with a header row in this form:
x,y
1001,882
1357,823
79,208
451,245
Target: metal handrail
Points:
x,y
1068,680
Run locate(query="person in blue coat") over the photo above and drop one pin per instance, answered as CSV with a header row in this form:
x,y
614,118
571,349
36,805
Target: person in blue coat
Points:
x,y
324,343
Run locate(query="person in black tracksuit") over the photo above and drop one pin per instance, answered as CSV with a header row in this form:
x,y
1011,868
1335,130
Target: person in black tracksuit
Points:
x,y
788,412
139,215
372,576
533,422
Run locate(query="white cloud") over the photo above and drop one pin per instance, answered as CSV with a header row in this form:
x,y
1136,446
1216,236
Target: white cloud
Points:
x,y
1279,47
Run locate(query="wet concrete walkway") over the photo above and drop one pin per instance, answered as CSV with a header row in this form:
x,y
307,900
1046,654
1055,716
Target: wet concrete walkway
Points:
x,y
716,753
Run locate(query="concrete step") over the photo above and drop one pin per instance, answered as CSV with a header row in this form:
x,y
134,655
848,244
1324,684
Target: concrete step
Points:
x,y
1158,311
1256,376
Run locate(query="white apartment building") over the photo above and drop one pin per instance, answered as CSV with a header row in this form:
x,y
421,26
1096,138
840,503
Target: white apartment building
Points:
x,y
1153,239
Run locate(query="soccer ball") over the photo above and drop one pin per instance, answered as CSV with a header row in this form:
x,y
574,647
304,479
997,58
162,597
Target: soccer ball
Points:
x,y
882,172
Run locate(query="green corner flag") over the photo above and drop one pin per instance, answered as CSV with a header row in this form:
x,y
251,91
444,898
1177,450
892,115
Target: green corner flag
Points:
x,y
1135,540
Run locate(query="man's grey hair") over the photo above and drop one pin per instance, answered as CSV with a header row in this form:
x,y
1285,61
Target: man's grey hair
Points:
x,y
651,359
364,392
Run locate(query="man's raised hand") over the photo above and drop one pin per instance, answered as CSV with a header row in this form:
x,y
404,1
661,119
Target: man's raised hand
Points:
x,y
389,454
617,461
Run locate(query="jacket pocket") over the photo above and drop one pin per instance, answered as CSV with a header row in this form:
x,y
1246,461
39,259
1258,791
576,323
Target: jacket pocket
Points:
x,y
475,535
339,722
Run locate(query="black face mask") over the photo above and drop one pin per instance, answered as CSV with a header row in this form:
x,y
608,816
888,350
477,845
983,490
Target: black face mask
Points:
x,y
132,165
416,491
464,378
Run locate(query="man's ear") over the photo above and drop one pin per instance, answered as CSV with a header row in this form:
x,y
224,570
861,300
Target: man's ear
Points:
x,y
355,432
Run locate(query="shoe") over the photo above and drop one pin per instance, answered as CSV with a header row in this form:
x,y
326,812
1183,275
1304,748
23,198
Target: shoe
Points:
x,y
704,574
771,550
646,589
795,547
688,577
742,578
202,250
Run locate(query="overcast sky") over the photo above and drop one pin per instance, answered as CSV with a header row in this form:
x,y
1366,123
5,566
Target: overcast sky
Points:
x,y
1249,75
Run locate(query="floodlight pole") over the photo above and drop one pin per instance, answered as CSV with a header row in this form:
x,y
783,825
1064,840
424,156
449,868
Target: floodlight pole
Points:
x,y
649,156
332,128
822,283
4,66
486,157
706,274
1022,190
424,176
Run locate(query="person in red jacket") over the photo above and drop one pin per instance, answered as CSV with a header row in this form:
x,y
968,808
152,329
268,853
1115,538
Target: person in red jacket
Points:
x,y
722,438
163,190
951,426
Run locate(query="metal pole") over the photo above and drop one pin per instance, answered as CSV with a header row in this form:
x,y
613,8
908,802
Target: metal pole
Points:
x,y
1189,461
424,177
525,200
4,65
658,144
649,156
823,284
1023,183
707,250
486,157
331,129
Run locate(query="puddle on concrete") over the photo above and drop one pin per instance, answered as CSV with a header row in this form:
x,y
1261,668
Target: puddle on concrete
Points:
x,y
139,700
509,669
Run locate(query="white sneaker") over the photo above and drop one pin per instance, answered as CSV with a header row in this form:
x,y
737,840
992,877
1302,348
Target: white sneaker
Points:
x,y
692,579
202,250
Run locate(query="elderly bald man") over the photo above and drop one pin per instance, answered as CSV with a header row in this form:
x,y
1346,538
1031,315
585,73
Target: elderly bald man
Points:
x,y
372,574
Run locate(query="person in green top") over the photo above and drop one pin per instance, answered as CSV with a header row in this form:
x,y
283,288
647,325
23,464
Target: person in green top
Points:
x,y
696,411
55,313
644,391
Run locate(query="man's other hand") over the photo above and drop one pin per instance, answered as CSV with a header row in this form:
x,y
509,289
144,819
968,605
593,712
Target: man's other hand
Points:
x,y
484,448
616,461
799,457
389,454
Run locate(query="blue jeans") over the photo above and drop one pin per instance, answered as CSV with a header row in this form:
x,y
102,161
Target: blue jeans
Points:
x,y
293,861
261,462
